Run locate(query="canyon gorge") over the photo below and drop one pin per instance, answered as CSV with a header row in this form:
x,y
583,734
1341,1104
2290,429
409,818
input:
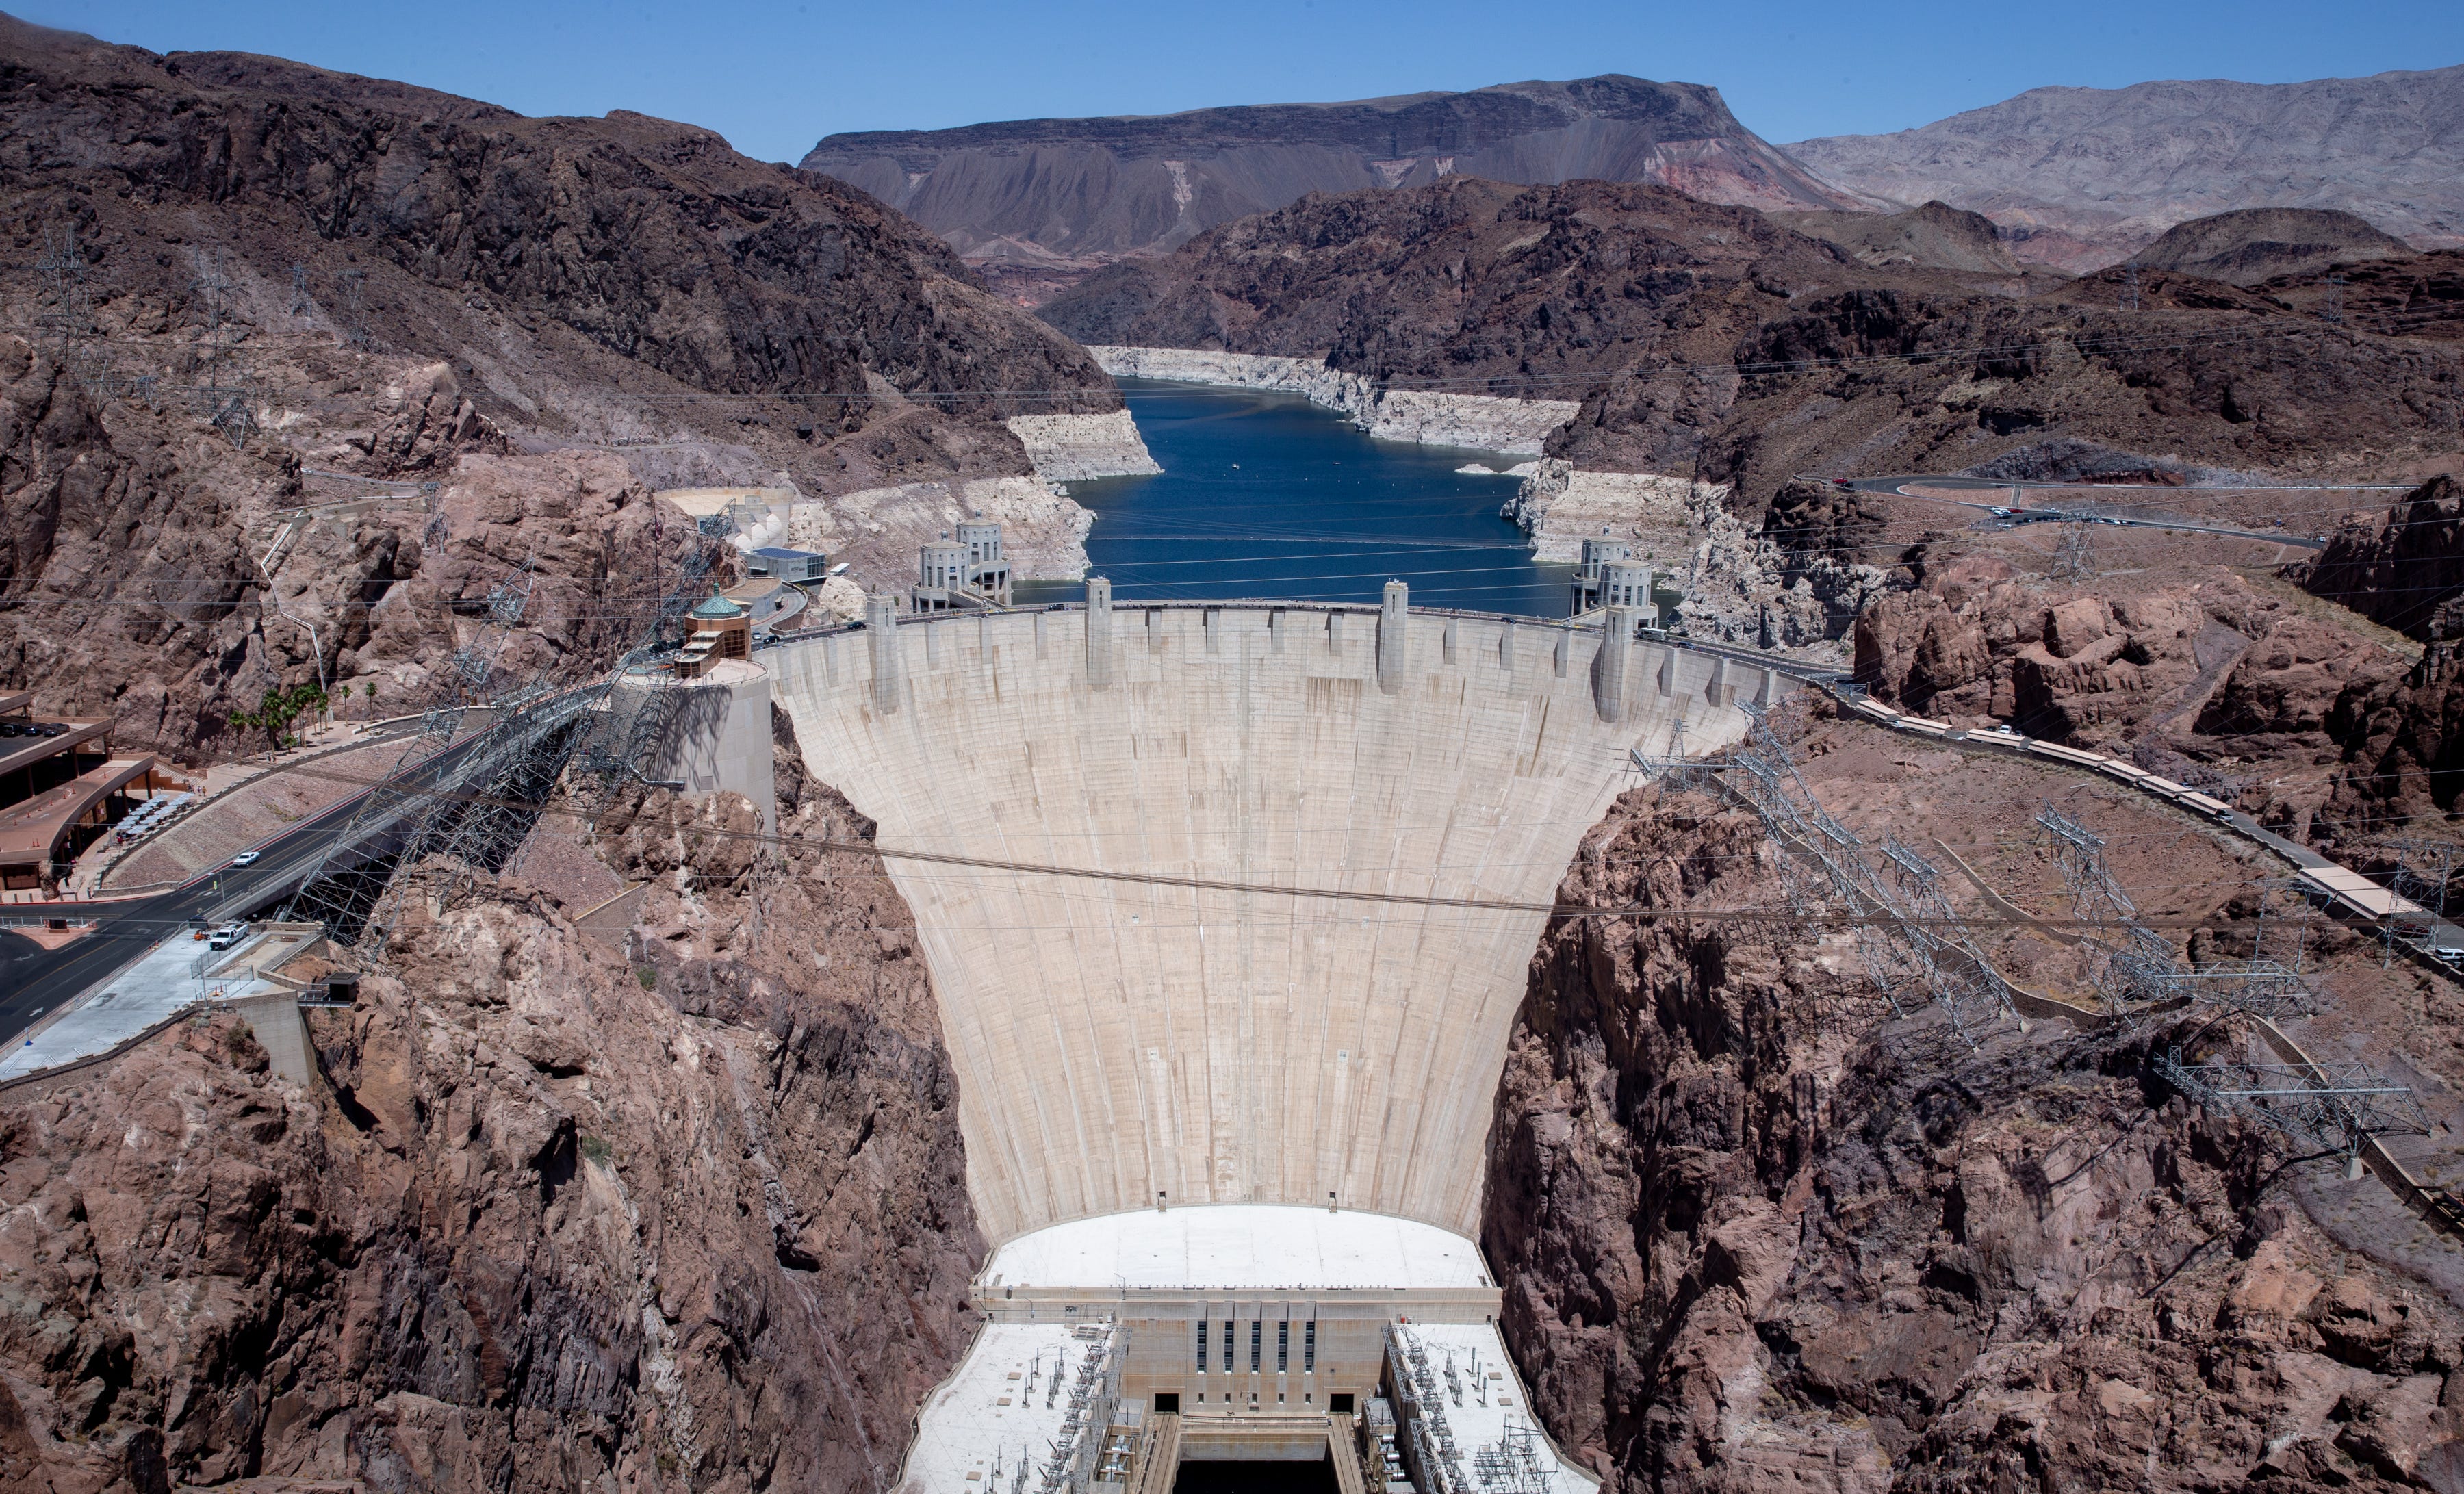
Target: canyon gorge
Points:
x,y
1239,1016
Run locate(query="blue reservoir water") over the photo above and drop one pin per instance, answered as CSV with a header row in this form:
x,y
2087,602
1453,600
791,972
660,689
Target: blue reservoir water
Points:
x,y
1269,496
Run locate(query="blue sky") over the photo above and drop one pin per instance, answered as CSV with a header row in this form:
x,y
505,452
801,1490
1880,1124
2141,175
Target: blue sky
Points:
x,y
776,76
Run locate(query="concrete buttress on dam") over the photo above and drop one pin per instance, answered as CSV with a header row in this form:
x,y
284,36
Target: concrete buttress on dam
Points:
x,y
1122,1044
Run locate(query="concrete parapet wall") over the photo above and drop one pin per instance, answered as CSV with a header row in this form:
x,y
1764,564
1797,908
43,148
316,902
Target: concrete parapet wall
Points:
x,y
1117,1039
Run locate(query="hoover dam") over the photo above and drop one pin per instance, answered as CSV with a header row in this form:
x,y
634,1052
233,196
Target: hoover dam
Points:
x,y
1228,908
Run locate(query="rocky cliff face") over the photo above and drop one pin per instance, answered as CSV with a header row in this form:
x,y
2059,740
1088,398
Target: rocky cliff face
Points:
x,y
2204,679
1038,201
2084,177
1927,237
686,1214
272,287
1749,1240
2404,568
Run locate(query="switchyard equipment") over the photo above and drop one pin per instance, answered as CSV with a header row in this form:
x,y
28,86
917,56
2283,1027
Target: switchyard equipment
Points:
x,y
1908,934
2331,1107
2137,970
1429,1451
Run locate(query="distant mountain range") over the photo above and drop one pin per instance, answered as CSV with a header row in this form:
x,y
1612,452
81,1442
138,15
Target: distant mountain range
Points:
x,y
2072,177
2082,177
1047,199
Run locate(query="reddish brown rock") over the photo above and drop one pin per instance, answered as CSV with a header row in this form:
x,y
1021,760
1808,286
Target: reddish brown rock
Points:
x,y
567,1217
1751,1240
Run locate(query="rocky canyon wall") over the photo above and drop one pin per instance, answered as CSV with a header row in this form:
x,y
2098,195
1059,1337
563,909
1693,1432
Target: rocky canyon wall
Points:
x,y
1751,1239
685,1214
1072,448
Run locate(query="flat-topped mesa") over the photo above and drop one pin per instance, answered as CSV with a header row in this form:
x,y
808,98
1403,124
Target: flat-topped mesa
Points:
x,y
1299,857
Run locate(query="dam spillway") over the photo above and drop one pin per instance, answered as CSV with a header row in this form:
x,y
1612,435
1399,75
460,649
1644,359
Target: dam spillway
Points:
x,y
1123,1042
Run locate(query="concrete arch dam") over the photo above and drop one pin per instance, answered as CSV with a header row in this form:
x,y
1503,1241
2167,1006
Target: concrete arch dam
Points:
x,y
1117,1042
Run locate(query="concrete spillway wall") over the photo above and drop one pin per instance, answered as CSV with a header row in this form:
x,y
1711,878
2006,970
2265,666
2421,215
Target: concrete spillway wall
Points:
x,y
1115,1039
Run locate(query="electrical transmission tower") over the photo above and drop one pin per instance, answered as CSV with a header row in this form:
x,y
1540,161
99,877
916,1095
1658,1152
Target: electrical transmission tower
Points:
x,y
2075,556
2336,1106
2423,874
1909,935
2129,287
225,397
69,319
299,289
468,800
2137,970
354,321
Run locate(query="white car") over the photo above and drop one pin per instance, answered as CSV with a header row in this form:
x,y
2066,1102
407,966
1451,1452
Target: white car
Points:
x,y
246,858
227,936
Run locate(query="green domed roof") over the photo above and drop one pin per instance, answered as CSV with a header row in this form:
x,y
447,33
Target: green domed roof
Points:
x,y
716,606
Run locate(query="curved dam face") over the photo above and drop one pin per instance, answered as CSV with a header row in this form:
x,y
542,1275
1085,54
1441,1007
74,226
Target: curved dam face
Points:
x,y
1121,1040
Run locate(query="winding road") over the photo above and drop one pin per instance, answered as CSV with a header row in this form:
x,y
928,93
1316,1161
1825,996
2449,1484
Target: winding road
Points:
x,y
2013,514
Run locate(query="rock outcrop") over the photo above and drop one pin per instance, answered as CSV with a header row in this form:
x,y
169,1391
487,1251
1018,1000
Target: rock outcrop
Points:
x,y
2404,568
689,1212
2254,244
1073,447
1560,508
1748,1240
1931,236
302,289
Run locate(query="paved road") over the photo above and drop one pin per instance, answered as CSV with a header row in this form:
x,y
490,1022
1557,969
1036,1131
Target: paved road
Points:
x,y
35,982
2015,514
42,980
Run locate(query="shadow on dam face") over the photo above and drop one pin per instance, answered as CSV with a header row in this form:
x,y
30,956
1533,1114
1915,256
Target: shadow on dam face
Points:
x,y
1121,1045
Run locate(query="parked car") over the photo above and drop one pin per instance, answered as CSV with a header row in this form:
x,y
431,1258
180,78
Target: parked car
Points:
x,y
227,936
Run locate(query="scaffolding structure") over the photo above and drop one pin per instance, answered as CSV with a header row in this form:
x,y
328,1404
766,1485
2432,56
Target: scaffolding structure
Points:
x,y
2137,971
1909,935
2335,1106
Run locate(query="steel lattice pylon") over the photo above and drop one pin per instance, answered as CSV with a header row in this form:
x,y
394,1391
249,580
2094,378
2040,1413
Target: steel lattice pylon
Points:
x,y
2136,968
2335,1106
1908,934
473,811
